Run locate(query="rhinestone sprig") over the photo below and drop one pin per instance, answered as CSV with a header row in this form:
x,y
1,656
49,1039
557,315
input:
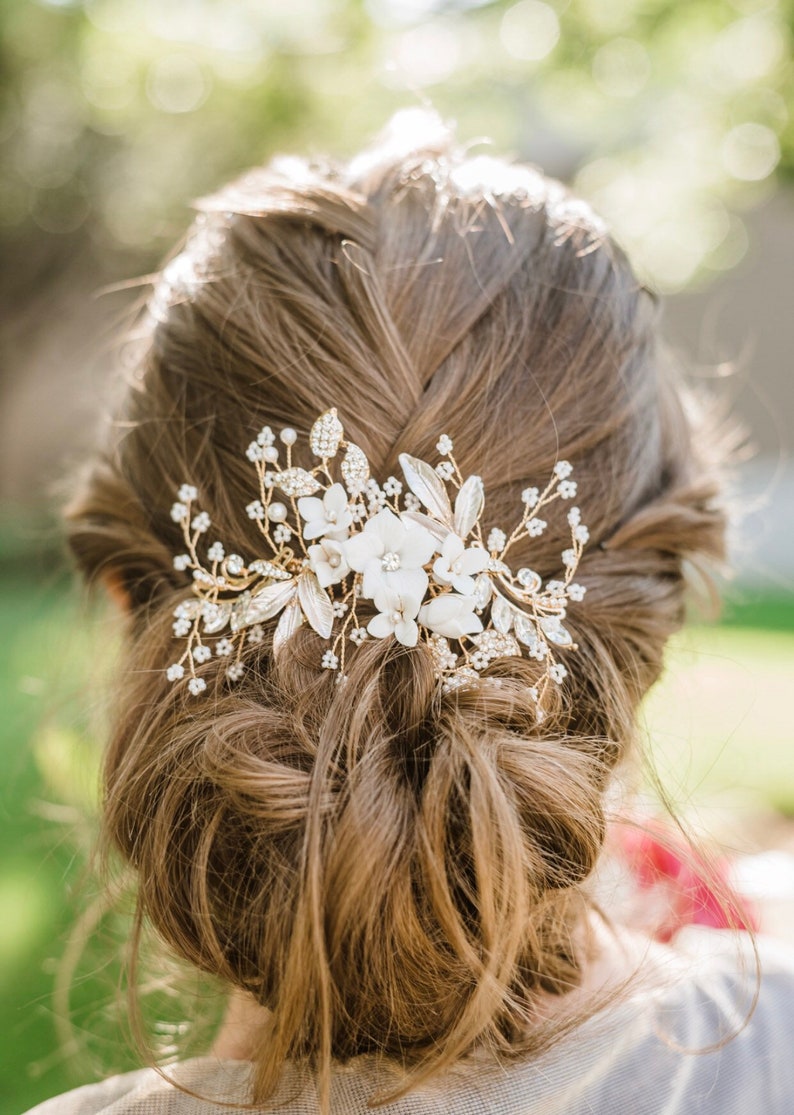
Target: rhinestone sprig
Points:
x,y
414,547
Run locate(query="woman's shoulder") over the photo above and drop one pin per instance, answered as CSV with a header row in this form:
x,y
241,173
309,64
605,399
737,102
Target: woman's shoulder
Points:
x,y
710,1032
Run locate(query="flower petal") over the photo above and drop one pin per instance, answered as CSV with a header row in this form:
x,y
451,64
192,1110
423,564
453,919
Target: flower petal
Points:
x,y
474,560
450,615
310,507
416,547
362,548
407,632
381,625
410,584
335,499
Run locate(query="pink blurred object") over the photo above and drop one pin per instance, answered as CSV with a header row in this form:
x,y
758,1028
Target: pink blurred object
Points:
x,y
676,886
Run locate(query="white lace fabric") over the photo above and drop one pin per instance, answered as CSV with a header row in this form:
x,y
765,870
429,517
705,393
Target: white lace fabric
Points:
x,y
627,1060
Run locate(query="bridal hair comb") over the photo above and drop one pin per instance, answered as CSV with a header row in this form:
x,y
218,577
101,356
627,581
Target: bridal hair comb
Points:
x,y
333,537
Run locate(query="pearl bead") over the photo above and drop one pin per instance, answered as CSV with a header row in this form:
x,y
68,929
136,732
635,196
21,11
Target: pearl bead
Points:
x,y
277,512
396,617
330,516
270,453
288,435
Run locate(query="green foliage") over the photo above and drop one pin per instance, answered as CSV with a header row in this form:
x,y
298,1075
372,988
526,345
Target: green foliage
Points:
x,y
672,116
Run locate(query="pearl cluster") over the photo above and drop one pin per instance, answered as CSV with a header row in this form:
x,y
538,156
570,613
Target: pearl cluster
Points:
x,y
414,548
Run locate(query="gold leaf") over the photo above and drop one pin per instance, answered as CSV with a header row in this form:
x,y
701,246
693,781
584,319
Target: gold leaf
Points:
x,y
266,603
316,604
468,505
432,526
427,487
289,622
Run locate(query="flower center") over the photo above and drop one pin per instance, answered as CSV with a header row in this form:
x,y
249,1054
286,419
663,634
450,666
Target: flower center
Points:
x,y
396,617
390,561
330,516
334,561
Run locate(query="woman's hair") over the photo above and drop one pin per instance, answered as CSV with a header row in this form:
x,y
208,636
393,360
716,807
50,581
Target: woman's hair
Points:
x,y
387,867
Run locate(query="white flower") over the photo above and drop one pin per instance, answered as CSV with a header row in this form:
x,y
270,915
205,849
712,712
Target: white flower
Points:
x,y
479,660
497,539
224,647
446,470
265,436
235,564
327,560
282,534
390,553
581,533
269,479
530,496
557,672
178,512
254,452
201,653
574,517
358,635
196,686
187,492
412,503
396,616
216,552
450,615
392,486
182,562
576,592
535,527
358,511
339,608
256,634
456,564
330,661
444,445
255,510
567,489
235,671
201,522
181,628
563,469
556,588
175,672
329,515
569,558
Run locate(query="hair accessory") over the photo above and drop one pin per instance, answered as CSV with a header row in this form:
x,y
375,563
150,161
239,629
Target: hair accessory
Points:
x,y
415,548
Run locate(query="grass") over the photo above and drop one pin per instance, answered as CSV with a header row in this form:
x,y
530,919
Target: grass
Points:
x,y
719,726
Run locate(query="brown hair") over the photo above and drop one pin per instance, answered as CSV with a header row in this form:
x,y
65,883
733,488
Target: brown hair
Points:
x,y
384,866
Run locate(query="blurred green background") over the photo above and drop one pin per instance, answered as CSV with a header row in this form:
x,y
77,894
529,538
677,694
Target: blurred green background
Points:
x,y
674,119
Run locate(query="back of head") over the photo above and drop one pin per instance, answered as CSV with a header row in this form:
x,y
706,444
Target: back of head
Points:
x,y
387,866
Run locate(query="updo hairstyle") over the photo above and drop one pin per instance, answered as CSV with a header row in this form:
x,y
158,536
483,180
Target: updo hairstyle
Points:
x,y
386,867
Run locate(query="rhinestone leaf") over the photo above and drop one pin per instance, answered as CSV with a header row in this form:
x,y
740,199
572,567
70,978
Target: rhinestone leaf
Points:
x,y
468,505
354,469
268,602
325,435
427,487
555,632
482,590
316,604
269,569
501,614
525,629
296,482
289,622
